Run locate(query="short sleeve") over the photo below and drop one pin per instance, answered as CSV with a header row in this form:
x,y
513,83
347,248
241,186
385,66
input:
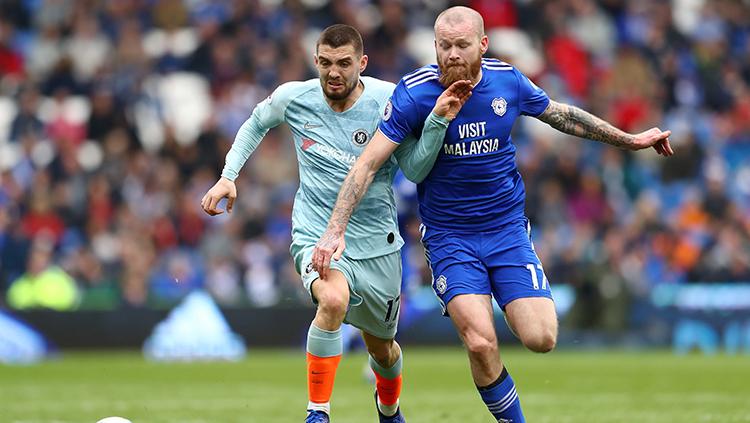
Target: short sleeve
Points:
x,y
400,116
532,100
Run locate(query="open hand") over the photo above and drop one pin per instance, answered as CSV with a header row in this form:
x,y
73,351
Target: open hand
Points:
x,y
452,99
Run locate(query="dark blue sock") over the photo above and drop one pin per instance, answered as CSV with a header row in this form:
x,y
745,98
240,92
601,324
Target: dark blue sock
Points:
x,y
502,400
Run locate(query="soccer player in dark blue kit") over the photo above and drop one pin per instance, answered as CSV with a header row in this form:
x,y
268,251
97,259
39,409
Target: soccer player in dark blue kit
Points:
x,y
475,234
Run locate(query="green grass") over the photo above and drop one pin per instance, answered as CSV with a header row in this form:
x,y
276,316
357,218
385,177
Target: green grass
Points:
x,y
269,386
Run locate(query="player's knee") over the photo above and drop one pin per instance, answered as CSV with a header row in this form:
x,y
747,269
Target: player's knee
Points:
x,y
542,340
332,304
480,345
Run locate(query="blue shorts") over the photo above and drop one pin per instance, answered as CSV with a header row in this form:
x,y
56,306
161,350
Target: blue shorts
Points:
x,y
501,263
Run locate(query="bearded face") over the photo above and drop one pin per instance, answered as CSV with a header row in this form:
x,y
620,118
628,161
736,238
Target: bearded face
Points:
x,y
338,87
459,48
339,70
452,70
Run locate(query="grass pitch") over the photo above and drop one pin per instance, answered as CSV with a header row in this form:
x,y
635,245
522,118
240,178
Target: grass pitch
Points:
x,y
269,386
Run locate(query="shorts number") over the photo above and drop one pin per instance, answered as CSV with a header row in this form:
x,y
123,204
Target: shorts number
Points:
x,y
393,306
534,279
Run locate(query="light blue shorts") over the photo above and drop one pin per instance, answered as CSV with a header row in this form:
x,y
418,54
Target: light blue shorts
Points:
x,y
374,288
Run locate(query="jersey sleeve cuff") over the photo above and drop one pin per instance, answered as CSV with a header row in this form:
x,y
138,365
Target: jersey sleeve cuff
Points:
x,y
546,104
387,137
229,174
440,120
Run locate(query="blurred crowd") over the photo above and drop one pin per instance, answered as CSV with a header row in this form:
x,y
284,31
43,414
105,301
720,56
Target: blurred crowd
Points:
x,y
115,117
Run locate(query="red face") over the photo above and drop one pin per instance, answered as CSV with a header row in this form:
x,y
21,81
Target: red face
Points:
x,y
459,52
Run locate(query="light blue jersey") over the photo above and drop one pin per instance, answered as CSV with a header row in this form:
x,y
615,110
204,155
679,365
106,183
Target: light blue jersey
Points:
x,y
327,145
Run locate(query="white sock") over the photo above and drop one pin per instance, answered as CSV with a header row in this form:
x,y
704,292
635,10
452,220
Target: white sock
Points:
x,y
318,406
387,410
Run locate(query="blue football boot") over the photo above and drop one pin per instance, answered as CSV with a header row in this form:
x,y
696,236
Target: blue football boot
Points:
x,y
396,418
315,416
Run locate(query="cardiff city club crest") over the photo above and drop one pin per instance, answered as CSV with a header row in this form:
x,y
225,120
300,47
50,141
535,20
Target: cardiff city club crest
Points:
x,y
499,106
441,284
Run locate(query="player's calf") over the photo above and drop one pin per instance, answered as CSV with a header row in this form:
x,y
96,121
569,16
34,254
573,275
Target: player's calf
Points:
x,y
324,350
386,363
386,352
324,341
483,355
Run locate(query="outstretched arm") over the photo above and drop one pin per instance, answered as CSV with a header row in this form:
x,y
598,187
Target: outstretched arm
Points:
x,y
246,141
416,157
331,243
266,115
352,190
574,121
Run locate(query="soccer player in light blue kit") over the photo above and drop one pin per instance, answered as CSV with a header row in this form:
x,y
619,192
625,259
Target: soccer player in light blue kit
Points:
x,y
475,234
332,119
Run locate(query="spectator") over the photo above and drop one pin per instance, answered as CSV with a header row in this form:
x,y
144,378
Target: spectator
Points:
x,y
122,211
43,285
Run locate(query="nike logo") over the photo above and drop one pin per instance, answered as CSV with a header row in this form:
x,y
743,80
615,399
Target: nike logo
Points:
x,y
317,373
309,125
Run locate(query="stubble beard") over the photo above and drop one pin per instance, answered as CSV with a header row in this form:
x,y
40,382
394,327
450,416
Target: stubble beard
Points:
x,y
343,95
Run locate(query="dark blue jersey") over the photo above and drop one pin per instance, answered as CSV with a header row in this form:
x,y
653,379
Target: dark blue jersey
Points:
x,y
475,184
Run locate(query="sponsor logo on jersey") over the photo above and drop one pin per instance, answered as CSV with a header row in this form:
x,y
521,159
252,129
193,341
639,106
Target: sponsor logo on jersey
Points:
x,y
309,125
360,137
335,154
328,151
472,147
307,143
499,106
388,110
441,284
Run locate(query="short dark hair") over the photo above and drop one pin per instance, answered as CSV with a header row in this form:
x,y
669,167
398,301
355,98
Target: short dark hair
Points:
x,y
340,35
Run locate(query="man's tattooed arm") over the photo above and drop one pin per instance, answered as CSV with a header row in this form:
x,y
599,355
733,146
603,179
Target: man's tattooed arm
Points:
x,y
332,244
574,121
352,190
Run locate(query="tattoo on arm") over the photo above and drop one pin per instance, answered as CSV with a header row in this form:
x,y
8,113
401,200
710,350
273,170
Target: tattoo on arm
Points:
x,y
352,190
574,121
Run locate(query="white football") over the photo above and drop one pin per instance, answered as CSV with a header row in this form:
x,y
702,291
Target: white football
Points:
x,y
114,420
